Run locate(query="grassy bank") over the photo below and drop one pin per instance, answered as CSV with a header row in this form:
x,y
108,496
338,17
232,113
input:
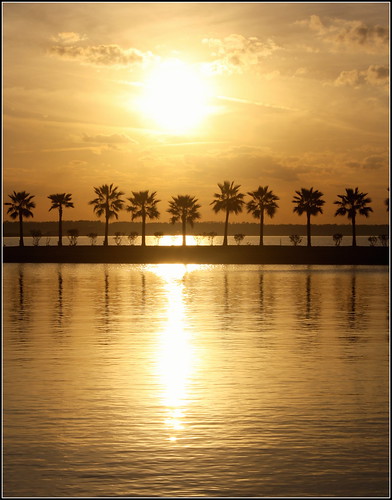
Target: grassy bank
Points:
x,y
200,255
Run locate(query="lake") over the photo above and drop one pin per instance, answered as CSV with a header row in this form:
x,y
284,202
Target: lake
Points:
x,y
195,380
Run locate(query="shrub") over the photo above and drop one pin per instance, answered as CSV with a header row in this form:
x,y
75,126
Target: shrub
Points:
x,y
384,239
238,238
158,235
118,236
132,237
93,238
211,237
198,238
337,238
73,235
295,239
37,235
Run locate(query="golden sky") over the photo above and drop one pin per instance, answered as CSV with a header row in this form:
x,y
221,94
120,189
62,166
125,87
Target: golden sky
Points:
x,y
176,97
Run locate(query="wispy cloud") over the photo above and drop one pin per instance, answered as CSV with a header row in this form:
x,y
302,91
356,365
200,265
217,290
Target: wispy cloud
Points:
x,y
253,164
108,139
235,53
66,37
256,103
375,162
374,75
352,35
102,55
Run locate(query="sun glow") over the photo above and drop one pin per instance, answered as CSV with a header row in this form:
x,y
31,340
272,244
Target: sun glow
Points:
x,y
175,97
176,240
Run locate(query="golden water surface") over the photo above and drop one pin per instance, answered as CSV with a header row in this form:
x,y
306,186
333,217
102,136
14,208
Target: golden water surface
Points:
x,y
195,380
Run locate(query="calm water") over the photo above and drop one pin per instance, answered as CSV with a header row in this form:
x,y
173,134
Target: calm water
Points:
x,y
195,380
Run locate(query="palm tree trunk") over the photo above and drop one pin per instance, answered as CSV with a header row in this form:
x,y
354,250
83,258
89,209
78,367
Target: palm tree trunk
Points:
x,y
226,228
183,231
106,241
60,242
354,232
261,228
143,230
21,242
308,230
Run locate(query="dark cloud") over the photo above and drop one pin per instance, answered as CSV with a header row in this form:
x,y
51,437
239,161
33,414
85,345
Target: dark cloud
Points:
x,y
375,162
249,164
101,55
372,162
377,75
374,75
358,33
353,164
351,34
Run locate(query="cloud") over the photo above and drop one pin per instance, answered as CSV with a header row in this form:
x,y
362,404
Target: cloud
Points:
x,y
248,102
353,35
102,55
372,162
374,75
235,53
350,78
69,37
377,75
77,163
375,162
248,163
108,139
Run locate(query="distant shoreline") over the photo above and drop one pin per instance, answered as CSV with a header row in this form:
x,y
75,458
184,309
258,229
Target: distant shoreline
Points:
x,y
232,254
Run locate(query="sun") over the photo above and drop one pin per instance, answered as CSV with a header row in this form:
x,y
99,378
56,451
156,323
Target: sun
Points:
x,y
175,97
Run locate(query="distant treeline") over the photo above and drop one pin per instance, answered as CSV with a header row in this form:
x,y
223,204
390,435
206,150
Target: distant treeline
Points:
x,y
249,229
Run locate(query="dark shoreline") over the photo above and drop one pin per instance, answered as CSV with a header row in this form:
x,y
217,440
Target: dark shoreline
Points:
x,y
247,254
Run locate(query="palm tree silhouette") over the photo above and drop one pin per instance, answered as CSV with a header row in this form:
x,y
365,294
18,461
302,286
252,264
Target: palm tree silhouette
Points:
x,y
309,202
20,206
143,204
184,208
263,201
59,201
350,204
228,200
108,203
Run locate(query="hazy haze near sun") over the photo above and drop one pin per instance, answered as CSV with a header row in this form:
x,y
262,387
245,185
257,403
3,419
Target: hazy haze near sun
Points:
x,y
178,97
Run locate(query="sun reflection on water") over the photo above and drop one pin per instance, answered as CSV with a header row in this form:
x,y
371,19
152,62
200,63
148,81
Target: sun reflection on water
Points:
x,y
176,240
176,358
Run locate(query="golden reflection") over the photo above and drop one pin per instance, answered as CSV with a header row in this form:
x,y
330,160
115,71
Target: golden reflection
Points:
x,y
175,361
176,240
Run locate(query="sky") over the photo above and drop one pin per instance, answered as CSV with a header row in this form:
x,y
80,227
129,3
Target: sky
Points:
x,y
178,97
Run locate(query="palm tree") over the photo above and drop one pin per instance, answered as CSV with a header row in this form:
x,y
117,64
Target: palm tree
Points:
x,y
59,201
228,200
350,204
108,203
309,202
20,206
184,208
263,201
143,205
